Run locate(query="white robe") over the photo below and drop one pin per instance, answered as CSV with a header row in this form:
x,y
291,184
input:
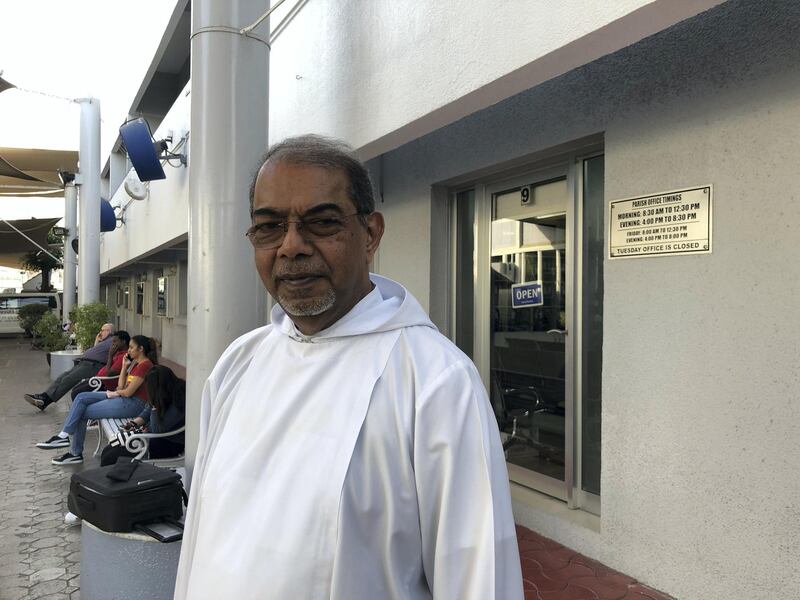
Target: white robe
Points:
x,y
361,463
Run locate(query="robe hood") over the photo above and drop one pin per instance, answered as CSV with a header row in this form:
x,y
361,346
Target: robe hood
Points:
x,y
387,307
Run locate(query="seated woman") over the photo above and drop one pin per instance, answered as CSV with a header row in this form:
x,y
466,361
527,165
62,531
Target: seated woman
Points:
x,y
118,350
165,411
128,400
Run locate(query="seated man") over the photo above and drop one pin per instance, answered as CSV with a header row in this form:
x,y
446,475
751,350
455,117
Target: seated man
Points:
x,y
88,366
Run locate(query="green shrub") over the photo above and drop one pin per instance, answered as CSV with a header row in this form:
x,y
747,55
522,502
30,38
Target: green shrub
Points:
x,y
87,321
30,314
48,329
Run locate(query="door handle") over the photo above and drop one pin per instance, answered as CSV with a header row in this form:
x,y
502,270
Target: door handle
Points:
x,y
562,331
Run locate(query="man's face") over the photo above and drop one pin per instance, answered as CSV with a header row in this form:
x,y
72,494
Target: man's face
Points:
x,y
105,331
316,282
117,344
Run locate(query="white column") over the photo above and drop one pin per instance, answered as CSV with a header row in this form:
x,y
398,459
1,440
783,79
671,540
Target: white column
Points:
x,y
71,224
229,74
89,239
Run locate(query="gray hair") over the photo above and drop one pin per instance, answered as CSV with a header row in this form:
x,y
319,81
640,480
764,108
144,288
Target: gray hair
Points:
x,y
326,153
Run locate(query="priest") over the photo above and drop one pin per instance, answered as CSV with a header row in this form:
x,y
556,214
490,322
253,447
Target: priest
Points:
x,y
347,450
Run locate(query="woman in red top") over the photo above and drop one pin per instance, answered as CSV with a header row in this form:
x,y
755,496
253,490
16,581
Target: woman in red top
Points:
x,y
118,350
128,400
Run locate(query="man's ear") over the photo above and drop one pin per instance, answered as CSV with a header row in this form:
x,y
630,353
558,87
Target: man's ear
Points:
x,y
375,228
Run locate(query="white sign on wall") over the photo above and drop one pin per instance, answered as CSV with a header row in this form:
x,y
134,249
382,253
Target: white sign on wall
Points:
x,y
668,223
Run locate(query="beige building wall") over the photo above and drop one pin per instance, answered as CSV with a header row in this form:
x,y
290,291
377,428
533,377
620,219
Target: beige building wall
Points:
x,y
701,431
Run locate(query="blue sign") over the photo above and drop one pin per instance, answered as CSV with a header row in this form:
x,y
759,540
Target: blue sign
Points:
x,y
527,294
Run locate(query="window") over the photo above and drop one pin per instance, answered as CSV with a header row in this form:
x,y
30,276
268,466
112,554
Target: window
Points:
x,y
465,292
140,297
19,302
592,324
183,287
161,296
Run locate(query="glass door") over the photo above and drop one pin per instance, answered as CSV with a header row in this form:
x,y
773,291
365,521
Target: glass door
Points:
x,y
528,290
519,326
527,307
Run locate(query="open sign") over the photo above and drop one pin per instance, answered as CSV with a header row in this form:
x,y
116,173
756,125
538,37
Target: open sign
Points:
x,y
527,294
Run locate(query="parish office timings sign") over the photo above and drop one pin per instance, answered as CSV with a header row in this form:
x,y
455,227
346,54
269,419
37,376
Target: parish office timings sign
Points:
x,y
669,223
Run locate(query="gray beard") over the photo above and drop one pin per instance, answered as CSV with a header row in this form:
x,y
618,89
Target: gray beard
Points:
x,y
308,307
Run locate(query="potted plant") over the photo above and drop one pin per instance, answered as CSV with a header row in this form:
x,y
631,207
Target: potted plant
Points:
x,y
87,320
30,314
50,334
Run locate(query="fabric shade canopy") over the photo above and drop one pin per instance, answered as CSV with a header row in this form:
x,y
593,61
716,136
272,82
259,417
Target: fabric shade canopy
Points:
x,y
34,172
5,85
13,246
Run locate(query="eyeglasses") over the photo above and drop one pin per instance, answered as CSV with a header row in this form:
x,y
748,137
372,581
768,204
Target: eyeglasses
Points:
x,y
270,234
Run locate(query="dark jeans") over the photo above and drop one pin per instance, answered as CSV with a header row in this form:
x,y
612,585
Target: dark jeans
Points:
x,y
64,382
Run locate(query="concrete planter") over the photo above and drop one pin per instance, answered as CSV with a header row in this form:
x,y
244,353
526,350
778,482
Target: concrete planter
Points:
x,y
126,566
62,361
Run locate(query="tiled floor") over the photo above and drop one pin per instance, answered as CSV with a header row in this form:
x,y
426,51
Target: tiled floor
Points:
x,y
551,571
39,555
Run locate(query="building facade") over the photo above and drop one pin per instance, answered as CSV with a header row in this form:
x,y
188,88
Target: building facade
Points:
x,y
594,201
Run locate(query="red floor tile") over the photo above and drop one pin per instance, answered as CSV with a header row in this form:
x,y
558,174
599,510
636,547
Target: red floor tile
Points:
x,y
551,571
570,573
550,559
534,574
605,590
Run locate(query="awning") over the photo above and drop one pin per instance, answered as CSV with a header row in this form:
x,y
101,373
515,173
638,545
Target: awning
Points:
x,y
5,85
34,172
13,246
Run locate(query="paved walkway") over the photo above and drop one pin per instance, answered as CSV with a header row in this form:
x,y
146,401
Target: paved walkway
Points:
x,y
39,555
551,571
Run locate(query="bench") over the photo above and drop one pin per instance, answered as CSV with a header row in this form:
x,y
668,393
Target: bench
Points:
x,y
135,443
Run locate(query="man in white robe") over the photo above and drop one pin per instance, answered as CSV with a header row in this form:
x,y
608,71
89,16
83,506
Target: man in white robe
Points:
x,y
348,450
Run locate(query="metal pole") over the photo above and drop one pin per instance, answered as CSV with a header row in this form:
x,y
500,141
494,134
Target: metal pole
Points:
x,y
229,74
70,262
89,244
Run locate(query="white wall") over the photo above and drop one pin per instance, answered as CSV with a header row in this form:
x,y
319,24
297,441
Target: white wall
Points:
x,y
700,353
154,223
701,430
161,218
700,425
381,73
170,331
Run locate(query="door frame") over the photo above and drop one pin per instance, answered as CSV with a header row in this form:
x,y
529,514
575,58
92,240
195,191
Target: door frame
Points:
x,y
484,195
569,165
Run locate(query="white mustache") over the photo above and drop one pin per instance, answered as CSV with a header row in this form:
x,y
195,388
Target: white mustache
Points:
x,y
298,271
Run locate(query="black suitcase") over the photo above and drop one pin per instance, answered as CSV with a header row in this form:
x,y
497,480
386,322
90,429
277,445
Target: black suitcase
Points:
x,y
150,494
